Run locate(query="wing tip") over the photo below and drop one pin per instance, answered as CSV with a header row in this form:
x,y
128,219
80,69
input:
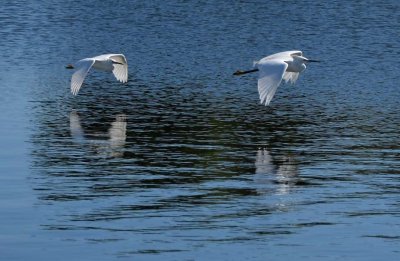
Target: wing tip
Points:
x,y
265,102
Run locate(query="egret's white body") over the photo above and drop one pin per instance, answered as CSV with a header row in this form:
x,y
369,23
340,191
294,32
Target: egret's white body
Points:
x,y
115,63
272,69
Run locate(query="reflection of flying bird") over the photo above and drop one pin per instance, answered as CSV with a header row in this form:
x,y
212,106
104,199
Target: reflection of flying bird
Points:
x,y
117,131
75,126
115,63
284,174
263,162
116,134
272,69
288,169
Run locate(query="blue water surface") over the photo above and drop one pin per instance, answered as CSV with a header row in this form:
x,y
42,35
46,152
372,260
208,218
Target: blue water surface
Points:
x,y
182,162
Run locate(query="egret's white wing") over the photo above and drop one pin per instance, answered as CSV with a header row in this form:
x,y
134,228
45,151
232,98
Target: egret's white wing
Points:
x,y
83,67
295,53
287,56
290,77
270,76
120,70
284,55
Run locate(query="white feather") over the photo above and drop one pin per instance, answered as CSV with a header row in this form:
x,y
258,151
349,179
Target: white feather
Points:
x,y
120,70
83,67
270,76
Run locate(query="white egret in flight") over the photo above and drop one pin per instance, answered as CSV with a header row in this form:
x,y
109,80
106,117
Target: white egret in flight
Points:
x,y
272,69
115,63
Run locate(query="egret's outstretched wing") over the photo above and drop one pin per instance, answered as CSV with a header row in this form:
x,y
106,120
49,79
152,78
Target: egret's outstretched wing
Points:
x,y
284,55
290,77
120,70
83,67
270,76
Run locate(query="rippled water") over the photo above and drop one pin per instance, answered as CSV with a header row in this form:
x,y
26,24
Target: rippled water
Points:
x,y
182,163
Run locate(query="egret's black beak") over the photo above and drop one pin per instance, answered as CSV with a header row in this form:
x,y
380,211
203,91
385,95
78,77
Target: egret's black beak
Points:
x,y
69,66
313,61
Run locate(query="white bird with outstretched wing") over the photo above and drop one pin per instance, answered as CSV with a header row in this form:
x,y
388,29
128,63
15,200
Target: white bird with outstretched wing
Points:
x,y
115,63
272,69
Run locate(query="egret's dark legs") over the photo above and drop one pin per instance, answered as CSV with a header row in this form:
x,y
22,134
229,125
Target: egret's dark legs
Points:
x,y
238,72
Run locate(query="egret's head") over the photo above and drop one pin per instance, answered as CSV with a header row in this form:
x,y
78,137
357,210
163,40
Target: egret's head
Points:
x,y
69,66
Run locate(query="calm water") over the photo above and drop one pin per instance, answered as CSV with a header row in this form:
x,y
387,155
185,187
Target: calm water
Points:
x,y
182,163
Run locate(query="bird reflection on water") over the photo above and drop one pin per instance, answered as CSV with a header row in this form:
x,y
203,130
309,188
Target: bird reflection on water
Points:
x,y
283,173
116,136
